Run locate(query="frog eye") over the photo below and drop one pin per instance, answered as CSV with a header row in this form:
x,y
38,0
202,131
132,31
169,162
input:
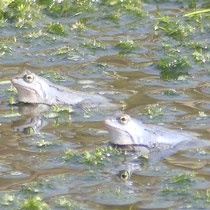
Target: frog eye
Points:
x,y
124,175
124,119
29,77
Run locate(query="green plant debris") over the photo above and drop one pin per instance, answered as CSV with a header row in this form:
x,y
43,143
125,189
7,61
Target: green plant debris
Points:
x,y
173,66
7,199
31,188
202,114
70,154
171,92
198,12
114,17
4,49
132,7
52,75
35,35
175,190
94,45
11,100
127,45
174,29
67,204
203,195
196,45
56,28
173,62
99,156
154,111
79,26
22,12
182,179
45,143
65,50
34,203
65,8
200,57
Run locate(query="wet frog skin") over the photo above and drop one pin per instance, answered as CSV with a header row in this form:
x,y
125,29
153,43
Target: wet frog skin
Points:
x,y
35,89
125,130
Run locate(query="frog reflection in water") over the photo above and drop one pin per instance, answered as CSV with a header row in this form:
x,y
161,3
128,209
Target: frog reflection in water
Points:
x,y
35,89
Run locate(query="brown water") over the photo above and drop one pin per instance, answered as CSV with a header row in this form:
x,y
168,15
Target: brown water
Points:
x,y
131,79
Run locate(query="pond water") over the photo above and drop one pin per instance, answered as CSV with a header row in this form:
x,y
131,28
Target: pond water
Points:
x,y
61,158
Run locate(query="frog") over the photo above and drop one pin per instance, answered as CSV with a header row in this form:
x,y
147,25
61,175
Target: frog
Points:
x,y
35,89
126,130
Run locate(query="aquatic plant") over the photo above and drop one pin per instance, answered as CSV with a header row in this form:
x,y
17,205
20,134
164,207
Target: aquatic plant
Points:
x,y
203,195
7,199
126,45
22,12
133,7
171,92
173,28
154,111
94,45
67,204
56,28
34,203
4,49
182,179
200,57
70,154
173,66
66,8
79,26
99,156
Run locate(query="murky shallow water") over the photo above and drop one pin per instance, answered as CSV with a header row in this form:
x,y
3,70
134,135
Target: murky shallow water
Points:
x,y
32,146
